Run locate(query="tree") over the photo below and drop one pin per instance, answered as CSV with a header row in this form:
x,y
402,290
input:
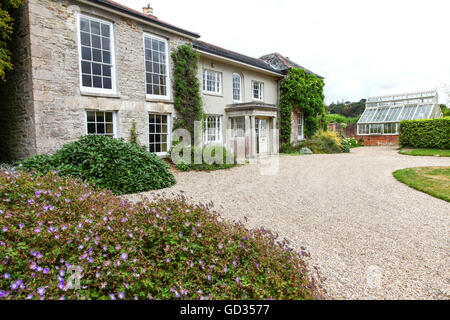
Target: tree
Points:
x,y
6,30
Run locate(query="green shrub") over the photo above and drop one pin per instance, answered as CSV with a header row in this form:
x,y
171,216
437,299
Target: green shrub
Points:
x,y
107,163
349,143
288,148
324,142
337,118
428,133
164,250
205,165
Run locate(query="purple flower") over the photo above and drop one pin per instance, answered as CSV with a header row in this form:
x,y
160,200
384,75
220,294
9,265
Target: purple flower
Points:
x,y
6,276
51,229
41,291
4,229
21,225
124,256
37,230
46,271
31,201
38,193
121,295
113,297
220,246
2,294
238,280
234,263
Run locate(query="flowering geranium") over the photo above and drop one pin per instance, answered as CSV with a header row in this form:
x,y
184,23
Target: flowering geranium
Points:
x,y
56,243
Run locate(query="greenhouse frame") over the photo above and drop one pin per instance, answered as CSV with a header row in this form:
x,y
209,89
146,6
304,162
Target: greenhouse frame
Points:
x,y
384,113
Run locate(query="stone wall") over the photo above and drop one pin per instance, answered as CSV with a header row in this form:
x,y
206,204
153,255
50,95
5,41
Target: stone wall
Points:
x,y
17,130
58,102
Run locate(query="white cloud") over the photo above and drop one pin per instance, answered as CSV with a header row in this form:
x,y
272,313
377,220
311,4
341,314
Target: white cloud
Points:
x,y
362,48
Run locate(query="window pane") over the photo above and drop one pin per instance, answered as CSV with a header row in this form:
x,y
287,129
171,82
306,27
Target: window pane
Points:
x,y
90,116
96,46
91,128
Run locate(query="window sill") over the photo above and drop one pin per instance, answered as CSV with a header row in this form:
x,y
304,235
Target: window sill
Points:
x,y
158,99
213,94
100,94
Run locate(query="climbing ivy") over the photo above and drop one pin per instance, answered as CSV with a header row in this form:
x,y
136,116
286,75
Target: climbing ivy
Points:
x,y
301,91
187,99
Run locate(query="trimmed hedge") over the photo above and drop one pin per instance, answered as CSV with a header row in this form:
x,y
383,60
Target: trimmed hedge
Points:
x,y
428,133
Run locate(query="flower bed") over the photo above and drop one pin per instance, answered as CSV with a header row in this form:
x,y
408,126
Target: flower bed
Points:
x,y
164,250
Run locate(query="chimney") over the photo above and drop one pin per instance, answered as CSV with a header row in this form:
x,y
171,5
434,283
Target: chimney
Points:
x,y
148,10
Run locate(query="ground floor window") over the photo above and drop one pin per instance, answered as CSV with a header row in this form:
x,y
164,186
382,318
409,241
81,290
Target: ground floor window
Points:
x,y
159,133
363,128
101,123
300,126
213,129
238,127
376,128
390,128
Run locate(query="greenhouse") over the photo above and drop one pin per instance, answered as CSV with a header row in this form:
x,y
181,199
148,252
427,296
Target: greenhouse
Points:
x,y
384,113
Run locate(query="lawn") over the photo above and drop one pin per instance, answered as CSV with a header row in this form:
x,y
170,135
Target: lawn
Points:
x,y
425,152
432,180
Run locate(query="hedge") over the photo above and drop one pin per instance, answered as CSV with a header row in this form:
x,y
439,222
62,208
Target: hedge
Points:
x,y
428,133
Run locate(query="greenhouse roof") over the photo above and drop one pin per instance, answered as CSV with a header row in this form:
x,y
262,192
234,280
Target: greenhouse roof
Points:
x,y
395,108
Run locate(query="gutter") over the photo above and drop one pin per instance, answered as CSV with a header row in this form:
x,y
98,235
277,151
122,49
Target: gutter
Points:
x,y
111,7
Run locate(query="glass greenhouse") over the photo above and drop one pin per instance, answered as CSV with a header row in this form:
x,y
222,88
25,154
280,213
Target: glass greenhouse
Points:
x,y
383,114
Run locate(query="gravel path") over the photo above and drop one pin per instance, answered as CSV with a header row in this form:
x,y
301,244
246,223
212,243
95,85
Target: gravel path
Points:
x,y
369,236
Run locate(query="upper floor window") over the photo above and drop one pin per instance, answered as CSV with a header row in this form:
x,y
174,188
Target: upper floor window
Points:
x,y
212,82
237,87
96,55
101,123
258,90
156,66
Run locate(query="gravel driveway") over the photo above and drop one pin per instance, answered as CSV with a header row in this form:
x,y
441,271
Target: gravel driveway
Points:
x,y
369,236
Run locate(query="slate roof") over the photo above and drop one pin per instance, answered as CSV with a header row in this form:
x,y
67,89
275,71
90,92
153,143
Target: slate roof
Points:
x,y
213,49
283,64
124,9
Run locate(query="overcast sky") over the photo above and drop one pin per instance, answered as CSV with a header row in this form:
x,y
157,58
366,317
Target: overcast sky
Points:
x,y
361,47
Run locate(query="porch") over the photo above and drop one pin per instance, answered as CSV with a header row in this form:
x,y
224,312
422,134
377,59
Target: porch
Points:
x,y
251,129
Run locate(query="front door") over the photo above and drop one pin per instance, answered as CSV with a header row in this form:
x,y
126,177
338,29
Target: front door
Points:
x,y
262,141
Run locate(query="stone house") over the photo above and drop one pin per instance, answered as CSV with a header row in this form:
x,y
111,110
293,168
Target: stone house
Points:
x,y
98,67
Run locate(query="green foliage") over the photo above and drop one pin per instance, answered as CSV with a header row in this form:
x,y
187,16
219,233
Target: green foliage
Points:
x,y
301,91
165,250
348,109
337,118
427,133
188,102
133,133
6,30
350,143
323,142
434,181
425,152
445,110
107,163
207,165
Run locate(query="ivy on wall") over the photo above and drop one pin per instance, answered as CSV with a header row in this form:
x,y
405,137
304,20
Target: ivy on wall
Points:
x,y
187,99
301,91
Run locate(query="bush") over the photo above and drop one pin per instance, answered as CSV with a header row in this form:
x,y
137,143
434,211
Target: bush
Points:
x,y
428,133
324,142
337,118
349,143
163,250
207,165
288,148
107,163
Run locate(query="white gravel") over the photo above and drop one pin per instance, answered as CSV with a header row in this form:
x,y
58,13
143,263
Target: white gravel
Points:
x,y
369,236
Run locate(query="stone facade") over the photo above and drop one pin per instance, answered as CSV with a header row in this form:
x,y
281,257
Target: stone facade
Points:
x,y
17,127
56,114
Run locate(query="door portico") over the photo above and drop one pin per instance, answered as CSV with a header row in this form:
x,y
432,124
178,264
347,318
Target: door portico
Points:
x,y
259,135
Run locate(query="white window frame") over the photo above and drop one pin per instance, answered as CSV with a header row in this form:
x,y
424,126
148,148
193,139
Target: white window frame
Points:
x,y
240,87
300,116
115,127
261,91
168,83
217,133
113,90
218,79
169,132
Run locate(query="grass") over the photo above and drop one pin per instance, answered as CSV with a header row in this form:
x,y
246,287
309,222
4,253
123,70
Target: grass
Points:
x,y
425,152
432,180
